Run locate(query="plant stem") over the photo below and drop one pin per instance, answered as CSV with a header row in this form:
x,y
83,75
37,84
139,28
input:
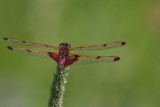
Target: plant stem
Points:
x,y
58,87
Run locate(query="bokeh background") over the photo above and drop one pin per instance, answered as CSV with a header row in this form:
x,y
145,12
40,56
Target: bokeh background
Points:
x,y
134,81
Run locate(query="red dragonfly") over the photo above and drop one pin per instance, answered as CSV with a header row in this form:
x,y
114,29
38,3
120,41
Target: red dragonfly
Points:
x,y
64,58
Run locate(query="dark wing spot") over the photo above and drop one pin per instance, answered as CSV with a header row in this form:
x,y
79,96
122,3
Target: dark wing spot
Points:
x,y
80,47
97,57
10,48
123,43
23,41
46,45
104,45
117,58
28,50
5,38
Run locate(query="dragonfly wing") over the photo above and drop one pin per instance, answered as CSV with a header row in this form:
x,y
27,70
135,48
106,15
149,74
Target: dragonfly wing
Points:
x,y
100,46
30,43
84,59
32,52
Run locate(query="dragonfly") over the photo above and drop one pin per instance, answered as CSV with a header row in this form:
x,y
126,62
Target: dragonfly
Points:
x,y
63,57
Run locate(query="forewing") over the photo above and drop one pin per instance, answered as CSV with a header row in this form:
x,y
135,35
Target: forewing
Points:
x,y
30,43
31,52
84,59
100,46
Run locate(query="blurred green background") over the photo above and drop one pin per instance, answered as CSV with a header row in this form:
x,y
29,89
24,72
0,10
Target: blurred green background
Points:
x,y
134,81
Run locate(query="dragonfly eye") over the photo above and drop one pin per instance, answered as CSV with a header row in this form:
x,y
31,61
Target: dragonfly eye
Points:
x,y
68,45
62,44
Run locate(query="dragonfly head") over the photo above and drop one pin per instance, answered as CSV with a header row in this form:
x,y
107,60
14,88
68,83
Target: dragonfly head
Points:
x,y
67,45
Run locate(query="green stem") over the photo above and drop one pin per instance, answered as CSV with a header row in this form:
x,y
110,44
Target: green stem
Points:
x,y
58,87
